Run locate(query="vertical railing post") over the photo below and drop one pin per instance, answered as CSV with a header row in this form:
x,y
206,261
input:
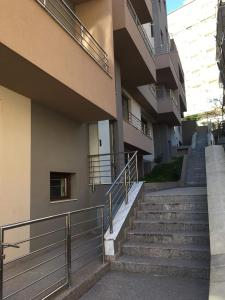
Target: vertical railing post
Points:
x,y
125,185
110,213
128,158
1,261
136,165
68,248
103,240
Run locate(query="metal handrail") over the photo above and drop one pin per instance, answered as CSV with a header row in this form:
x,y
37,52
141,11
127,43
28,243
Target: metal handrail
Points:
x,y
66,17
140,27
139,125
118,192
104,168
65,251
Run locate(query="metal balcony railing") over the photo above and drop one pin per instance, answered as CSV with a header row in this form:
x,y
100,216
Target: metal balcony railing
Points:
x,y
163,48
118,192
140,28
152,88
139,124
104,168
173,97
65,16
42,264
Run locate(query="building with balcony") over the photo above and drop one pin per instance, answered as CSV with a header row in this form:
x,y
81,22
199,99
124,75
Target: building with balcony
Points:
x,y
220,44
82,84
194,24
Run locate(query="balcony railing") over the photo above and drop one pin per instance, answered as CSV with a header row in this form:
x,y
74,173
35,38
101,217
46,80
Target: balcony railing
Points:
x,y
139,125
65,16
165,94
163,48
152,88
173,98
140,27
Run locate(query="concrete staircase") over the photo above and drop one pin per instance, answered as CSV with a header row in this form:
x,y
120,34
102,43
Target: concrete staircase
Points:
x,y
195,173
169,236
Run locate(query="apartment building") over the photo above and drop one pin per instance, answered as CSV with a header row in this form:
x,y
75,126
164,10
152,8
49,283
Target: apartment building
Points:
x,y
193,27
220,43
82,83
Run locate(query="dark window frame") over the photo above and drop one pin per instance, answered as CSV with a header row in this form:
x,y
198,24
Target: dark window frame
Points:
x,y
60,176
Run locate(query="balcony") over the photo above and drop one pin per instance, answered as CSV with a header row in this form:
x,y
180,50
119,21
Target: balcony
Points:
x,y
137,134
143,10
147,98
132,45
182,96
168,108
166,61
54,59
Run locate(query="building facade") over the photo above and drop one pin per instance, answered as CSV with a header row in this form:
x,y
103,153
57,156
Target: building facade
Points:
x,y
193,27
82,83
220,43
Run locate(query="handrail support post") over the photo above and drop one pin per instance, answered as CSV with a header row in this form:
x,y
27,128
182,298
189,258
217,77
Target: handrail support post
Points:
x,y
110,213
68,249
1,261
136,165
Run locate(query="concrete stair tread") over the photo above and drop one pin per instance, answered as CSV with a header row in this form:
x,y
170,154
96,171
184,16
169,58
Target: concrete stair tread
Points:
x,y
169,246
162,261
196,211
171,232
196,222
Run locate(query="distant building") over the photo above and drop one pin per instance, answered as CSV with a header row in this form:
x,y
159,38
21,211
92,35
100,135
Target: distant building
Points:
x,y
220,42
193,27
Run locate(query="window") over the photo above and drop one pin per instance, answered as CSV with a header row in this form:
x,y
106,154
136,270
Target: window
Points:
x,y
60,186
152,30
161,34
125,107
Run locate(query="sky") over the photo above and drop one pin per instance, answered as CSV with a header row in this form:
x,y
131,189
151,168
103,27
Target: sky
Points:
x,y
173,4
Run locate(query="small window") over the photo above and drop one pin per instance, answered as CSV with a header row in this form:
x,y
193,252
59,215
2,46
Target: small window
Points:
x,y
125,107
60,186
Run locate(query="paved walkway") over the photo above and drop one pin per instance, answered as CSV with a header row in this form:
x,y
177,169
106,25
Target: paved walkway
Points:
x,y
131,286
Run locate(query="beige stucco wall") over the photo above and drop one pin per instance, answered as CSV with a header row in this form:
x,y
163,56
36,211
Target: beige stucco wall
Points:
x,y
15,160
32,33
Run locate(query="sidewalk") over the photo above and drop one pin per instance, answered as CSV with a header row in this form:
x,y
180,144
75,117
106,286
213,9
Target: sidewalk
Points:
x,y
127,286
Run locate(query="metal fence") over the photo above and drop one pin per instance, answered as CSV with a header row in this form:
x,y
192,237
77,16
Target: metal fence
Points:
x,y
139,124
104,168
118,192
65,16
51,254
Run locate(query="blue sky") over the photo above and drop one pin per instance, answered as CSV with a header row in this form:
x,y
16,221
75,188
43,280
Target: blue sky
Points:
x,y
173,4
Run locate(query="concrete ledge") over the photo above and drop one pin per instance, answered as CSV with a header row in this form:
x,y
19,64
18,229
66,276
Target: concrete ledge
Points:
x,y
83,281
120,221
215,171
156,186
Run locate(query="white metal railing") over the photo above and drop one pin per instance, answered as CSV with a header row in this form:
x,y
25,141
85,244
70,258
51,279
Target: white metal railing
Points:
x,y
140,28
139,124
173,97
163,48
152,88
104,168
64,244
118,192
65,16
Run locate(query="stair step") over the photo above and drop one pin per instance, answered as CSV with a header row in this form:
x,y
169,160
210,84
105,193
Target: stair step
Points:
x,y
172,215
178,237
171,199
178,267
171,225
187,251
174,206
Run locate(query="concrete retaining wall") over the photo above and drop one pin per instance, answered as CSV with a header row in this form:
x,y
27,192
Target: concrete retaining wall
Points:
x,y
215,169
